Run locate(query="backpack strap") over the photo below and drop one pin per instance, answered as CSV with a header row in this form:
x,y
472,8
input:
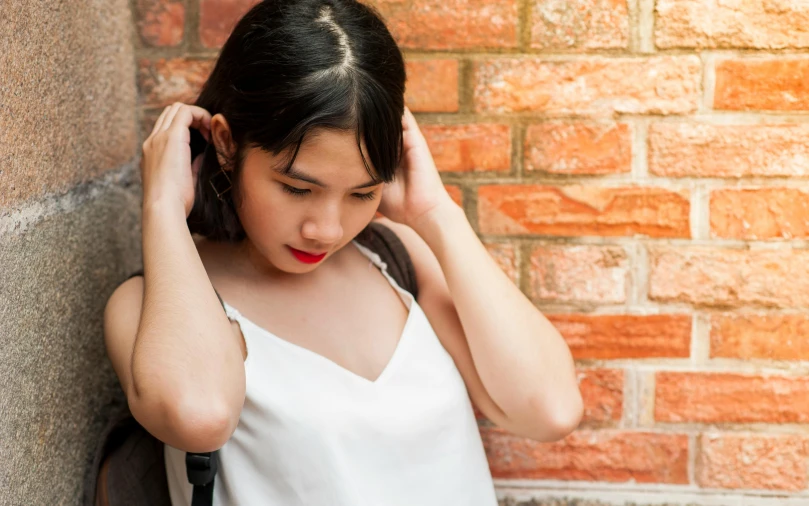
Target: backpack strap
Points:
x,y
200,467
384,242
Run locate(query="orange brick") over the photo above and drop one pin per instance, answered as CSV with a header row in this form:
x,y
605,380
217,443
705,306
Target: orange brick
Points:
x,y
163,81
588,274
760,213
583,210
580,25
505,255
470,148
592,86
579,148
701,150
730,398
603,393
762,84
722,277
161,22
611,456
752,461
217,18
455,193
771,24
760,336
625,336
432,85
451,24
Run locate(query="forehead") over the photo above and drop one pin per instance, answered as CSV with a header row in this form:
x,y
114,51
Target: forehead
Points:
x,y
334,157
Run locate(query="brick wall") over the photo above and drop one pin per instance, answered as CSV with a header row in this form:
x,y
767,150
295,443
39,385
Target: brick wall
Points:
x,y
639,169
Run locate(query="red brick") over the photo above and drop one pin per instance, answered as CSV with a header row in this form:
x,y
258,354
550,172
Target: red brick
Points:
x,y
730,398
469,148
603,394
762,84
161,22
723,277
217,18
505,255
760,213
455,193
611,456
771,24
579,274
625,336
752,461
451,24
591,86
583,210
760,336
163,81
432,85
580,24
701,150
579,148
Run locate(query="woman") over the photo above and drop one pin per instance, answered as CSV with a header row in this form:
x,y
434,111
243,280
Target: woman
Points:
x,y
322,382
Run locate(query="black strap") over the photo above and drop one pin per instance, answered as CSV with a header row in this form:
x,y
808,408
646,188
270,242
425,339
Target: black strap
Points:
x,y
201,470
200,467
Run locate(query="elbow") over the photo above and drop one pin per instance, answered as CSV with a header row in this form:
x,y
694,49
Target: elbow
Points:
x,y
192,425
202,425
556,420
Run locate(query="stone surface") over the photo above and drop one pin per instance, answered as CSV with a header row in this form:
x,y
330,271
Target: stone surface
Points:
x,y
57,380
67,99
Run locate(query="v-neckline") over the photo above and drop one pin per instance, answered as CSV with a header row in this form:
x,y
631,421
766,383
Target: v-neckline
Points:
x,y
387,369
302,350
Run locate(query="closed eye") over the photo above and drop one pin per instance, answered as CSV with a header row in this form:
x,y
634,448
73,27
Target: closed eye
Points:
x,y
364,196
294,191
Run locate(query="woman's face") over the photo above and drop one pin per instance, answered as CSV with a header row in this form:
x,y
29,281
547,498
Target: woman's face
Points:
x,y
298,219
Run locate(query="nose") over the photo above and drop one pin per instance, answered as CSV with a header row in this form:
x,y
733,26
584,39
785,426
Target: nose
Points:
x,y
324,228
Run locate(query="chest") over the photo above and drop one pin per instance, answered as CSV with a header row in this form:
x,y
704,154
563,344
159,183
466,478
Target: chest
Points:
x,y
356,322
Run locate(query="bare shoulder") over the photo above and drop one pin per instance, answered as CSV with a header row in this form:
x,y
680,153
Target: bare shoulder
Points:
x,y
121,320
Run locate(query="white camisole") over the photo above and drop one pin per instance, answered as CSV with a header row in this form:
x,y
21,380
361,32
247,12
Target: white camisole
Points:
x,y
312,433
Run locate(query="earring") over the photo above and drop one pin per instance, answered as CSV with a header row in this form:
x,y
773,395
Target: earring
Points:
x,y
229,183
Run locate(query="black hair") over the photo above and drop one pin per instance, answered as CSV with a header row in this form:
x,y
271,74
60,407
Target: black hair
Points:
x,y
290,66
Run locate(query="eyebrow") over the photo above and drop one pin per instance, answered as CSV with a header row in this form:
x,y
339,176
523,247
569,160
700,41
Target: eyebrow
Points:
x,y
295,173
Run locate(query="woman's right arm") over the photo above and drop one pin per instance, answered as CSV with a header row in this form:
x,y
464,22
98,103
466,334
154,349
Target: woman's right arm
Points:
x,y
167,336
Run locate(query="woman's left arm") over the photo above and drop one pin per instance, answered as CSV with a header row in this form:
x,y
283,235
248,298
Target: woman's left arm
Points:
x,y
517,367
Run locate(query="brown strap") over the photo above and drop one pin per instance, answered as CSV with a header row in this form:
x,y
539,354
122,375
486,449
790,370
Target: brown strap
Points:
x,y
384,242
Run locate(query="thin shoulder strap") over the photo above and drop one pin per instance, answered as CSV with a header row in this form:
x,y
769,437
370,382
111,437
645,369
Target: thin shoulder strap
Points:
x,y
200,467
384,242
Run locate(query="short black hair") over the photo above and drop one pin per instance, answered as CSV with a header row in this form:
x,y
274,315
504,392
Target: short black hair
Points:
x,y
291,66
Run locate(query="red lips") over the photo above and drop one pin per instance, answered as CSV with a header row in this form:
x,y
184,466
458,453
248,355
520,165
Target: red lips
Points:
x,y
307,258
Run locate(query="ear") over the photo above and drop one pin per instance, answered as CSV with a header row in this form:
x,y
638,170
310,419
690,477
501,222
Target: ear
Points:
x,y
222,141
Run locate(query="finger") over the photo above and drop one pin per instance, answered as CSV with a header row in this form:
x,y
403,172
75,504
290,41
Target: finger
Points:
x,y
159,122
192,116
170,116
